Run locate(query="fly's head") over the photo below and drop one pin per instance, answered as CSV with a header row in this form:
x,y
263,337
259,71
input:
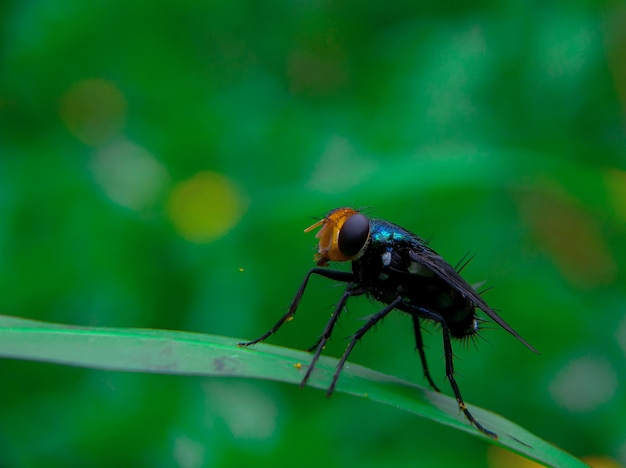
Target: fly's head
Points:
x,y
343,236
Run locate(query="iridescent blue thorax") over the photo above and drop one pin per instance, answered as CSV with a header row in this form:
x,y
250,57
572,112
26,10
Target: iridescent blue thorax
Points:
x,y
384,232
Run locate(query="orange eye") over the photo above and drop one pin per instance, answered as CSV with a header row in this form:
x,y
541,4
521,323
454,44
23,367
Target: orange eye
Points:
x,y
343,235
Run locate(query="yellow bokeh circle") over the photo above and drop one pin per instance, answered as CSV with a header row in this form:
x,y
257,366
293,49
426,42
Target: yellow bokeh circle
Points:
x,y
206,206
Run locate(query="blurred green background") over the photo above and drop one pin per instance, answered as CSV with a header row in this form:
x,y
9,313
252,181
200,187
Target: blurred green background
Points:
x,y
159,161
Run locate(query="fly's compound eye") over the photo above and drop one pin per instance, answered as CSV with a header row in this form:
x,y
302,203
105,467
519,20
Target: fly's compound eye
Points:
x,y
353,235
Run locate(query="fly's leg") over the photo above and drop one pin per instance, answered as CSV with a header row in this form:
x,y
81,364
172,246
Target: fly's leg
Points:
x,y
313,347
447,349
328,330
373,320
419,344
331,274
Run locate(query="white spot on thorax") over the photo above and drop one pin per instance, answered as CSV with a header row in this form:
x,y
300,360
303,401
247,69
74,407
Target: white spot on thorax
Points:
x,y
386,258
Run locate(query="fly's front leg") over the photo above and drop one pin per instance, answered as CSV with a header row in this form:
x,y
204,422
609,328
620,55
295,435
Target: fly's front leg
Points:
x,y
331,274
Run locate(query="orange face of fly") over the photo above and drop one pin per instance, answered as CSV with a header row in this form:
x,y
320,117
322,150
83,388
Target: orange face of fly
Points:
x,y
343,235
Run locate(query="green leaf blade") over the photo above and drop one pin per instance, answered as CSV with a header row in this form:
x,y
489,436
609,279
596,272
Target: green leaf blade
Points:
x,y
181,353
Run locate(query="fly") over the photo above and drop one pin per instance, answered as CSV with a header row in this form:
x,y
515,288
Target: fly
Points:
x,y
397,268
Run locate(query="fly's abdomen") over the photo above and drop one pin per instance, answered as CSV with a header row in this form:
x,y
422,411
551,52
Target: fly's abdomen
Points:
x,y
433,294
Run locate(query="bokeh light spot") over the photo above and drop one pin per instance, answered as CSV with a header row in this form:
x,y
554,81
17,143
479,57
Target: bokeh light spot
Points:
x,y
566,47
129,175
93,110
340,168
497,457
206,206
570,235
189,453
248,413
600,461
584,384
318,67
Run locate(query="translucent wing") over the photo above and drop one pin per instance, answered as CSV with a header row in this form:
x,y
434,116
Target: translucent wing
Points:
x,y
434,262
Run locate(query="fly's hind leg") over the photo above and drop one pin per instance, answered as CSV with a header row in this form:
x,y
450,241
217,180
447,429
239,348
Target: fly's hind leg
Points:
x,y
447,348
419,345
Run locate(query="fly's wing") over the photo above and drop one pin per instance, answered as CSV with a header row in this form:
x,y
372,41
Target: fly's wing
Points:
x,y
434,262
